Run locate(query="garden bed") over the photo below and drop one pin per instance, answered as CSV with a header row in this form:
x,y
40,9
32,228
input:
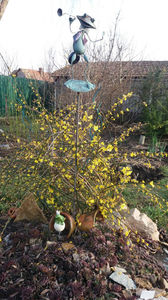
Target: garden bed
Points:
x,y
36,264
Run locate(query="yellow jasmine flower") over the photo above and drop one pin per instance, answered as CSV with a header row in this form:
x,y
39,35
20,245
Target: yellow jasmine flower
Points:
x,y
152,184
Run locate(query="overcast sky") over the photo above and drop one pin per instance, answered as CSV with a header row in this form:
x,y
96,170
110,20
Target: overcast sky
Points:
x,y
29,28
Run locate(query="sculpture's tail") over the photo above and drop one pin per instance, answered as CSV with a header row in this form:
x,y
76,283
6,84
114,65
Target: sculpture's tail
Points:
x,y
73,58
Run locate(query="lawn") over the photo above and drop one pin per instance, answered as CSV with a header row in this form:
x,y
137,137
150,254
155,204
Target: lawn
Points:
x,y
157,211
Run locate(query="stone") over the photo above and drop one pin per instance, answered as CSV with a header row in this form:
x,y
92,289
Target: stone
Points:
x,y
29,210
141,223
123,279
146,295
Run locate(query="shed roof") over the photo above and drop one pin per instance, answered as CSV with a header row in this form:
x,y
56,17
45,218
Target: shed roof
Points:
x,y
123,68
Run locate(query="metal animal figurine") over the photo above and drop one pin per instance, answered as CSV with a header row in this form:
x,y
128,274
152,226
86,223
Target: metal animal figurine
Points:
x,y
80,38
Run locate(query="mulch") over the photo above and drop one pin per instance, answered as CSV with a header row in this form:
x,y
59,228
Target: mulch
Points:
x,y
37,264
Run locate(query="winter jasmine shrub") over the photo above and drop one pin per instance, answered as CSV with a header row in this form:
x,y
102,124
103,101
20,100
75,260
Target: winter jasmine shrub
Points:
x,y
69,166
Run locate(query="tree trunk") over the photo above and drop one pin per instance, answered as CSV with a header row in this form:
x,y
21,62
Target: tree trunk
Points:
x,y
3,4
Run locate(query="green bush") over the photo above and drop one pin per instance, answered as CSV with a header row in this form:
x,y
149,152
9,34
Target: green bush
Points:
x,y
154,94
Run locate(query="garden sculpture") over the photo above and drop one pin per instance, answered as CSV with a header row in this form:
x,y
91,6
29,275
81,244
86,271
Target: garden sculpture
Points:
x,y
79,41
69,221
80,86
59,223
80,38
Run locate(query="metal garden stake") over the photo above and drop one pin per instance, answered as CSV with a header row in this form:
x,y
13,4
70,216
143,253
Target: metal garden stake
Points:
x,y
79,86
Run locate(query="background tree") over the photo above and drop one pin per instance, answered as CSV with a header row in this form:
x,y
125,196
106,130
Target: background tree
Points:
x,y
7,64
3,5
